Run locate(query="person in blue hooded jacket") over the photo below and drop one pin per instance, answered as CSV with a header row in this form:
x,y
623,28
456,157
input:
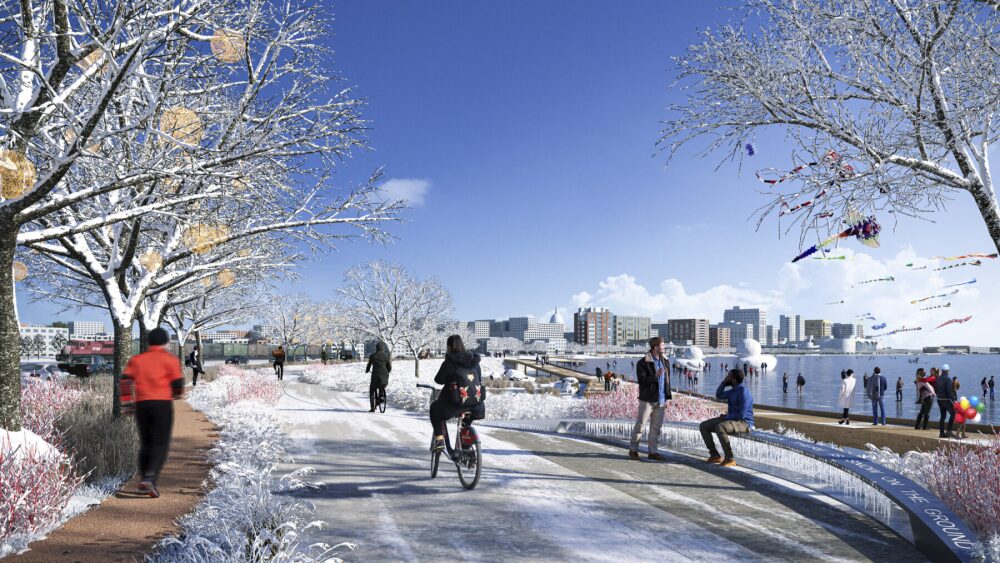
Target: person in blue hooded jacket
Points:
x,y
737,420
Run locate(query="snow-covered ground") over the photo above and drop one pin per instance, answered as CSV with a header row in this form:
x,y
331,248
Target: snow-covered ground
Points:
x,y
403,392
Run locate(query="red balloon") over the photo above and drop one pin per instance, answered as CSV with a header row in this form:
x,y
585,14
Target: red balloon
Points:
x,y
958,407
971,412
959,418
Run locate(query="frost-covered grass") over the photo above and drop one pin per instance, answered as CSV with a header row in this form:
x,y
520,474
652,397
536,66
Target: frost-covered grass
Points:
x,y
964,476
245,517
402,392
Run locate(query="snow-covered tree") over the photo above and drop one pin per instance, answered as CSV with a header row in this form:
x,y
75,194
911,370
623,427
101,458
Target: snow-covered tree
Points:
x,y
292,319
891,105
215,127
388,303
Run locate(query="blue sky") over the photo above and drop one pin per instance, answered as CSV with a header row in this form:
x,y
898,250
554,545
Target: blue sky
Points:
x,y
530,127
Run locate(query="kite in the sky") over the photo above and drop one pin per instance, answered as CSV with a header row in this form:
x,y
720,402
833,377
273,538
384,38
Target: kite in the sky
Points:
x,y
890,278
841,302
910,266
866,317
964,256
948,304
970,282
915,301
960,264
750,150
879,326
831,160
842,257
953,321
897,331
865,229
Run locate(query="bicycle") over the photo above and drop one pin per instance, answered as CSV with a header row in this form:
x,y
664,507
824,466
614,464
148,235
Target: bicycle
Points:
x,y
380,401
468,457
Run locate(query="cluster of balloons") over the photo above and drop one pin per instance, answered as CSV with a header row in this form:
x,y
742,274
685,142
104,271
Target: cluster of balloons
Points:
x,y
969,410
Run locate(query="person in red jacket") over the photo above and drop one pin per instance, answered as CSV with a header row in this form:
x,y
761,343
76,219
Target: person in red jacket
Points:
x,y
157,380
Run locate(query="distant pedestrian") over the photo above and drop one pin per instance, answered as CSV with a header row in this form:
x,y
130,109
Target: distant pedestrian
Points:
x,y
746,370
876,393
992,385
986,387
846,398
763,367
925,396
194,362
784,383
608,366
323,354
946,402
279,362
899,390
380,366
614,364
800,382
737,420
157,381
653,375
607,381
614,382
864,381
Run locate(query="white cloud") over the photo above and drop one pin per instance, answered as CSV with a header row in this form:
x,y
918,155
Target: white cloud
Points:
x,y
410,190
810,287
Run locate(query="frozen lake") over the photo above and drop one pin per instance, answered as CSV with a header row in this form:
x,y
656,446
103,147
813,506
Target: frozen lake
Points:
x,y
822,375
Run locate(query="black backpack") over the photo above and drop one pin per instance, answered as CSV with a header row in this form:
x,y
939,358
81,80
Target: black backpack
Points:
x,y
469,390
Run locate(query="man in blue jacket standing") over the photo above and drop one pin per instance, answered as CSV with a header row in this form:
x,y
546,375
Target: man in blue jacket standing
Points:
x,y
876,393
737,420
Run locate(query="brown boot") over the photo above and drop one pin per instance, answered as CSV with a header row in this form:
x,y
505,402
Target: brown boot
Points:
x,y
632,454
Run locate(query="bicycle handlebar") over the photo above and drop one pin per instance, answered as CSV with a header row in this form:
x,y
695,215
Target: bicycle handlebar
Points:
x,y
425,386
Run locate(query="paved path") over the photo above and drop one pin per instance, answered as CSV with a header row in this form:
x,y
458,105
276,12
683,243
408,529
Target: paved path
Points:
x,y
552,498
124,526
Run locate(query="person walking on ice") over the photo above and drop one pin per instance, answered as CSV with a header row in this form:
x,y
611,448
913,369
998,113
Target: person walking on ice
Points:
x,y
846,398
737,420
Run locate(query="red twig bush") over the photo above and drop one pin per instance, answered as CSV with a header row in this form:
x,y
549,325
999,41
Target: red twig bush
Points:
x,y
250,386
34,489
43,402
624,404
964,476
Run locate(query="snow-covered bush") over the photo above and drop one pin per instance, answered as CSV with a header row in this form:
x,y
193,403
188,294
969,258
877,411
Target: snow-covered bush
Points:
x,y
242,518
624,404
43,402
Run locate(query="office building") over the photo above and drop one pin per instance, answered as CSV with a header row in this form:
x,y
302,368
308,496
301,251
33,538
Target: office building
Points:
x,y
86,330
718,337
847,330
689,331
755,317
592,326
791,328
771,335
226,336
480,328
738,331
525,329
630,330
818,329
661,329
43,340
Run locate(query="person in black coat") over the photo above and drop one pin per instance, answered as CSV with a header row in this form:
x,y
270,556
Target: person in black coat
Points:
x,y
946,402
454,370
653,375
379,364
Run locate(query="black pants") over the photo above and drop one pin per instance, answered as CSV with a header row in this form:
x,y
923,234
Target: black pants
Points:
x,y
279,368
924,414
845,413
155,420
194,375
784,387
899,395
947,408
442,411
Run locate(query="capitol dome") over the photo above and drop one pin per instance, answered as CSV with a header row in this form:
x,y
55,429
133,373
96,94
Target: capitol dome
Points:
x,y
556,317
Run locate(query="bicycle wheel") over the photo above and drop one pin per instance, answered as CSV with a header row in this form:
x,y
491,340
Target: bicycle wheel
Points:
x,y
470,465
435,463
381,399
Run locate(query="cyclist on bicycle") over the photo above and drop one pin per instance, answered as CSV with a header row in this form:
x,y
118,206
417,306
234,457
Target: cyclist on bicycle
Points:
x,y
459,370
379,364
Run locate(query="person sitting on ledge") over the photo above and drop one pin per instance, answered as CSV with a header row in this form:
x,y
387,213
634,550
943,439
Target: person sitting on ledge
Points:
x,y
737,420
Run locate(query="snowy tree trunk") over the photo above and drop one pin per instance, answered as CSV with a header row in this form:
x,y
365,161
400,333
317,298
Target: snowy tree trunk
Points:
x,y
143,336
987,203
10,361
198,346
123,351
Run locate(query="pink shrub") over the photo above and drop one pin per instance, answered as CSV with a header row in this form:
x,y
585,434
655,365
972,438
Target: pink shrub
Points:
x,y
965,477
624,404
34,489
42,402
252,386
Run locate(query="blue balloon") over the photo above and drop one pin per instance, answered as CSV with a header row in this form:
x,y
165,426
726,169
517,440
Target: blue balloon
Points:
x,y
973,401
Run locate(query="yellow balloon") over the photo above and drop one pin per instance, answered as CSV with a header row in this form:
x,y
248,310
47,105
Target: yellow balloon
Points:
x,y
964,403
17,174
228,45
20,271
182,125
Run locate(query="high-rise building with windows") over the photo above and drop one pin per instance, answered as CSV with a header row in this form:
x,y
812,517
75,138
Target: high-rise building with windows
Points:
x,y
847,330
661,329
770,335
738,331
818,329
693,331
480,328
791,328
718,337
592,326
86,330
755,317
629,329
43,340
